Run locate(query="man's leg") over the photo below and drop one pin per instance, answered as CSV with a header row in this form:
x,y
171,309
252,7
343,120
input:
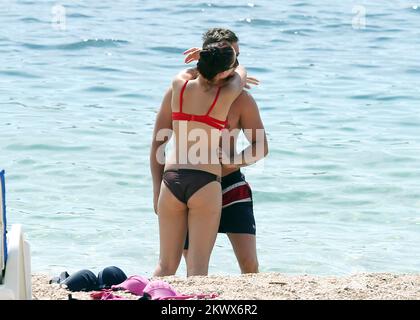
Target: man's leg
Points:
x,y
245,248
238,222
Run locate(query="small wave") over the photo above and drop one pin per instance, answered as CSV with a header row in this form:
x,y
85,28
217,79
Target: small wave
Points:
x,y
302,4
187,11
364,97
79,45
26,162
371,28
93,106
401,160
223,6
352,202
325,167
291,196
279,41
133,96
297,67
393,30
336,25
264,22
155,9
301,32
404,174
318,49
95,43
45,147
394,98
258,70
348,129
101,69
382,39
413,71
364,66
379,15
307,109
15,103
31,19
168,49
78,15
265,108
100,89
304,17
409,124
19,74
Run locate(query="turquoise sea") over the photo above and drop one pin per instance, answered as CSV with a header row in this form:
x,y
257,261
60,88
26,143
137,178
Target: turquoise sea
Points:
x,y
80,83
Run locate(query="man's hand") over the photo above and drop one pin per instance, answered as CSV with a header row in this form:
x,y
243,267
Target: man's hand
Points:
x,y
192,54
226,161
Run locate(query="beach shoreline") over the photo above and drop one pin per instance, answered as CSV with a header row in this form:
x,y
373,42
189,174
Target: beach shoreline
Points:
x,y
270,286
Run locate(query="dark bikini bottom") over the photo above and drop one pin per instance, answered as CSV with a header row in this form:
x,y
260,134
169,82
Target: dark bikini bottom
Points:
x,y
183,183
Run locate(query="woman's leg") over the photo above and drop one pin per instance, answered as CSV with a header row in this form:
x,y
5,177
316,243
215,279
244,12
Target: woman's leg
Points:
x,y
203,222
172,215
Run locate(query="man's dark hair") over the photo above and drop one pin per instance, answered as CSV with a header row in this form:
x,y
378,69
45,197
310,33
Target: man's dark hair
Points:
x,y
219,35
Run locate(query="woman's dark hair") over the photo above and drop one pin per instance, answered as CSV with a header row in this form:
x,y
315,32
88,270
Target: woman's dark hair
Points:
x,y
215,58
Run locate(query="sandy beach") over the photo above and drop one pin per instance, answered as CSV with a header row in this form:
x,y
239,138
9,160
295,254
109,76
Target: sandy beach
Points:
x,y
270,286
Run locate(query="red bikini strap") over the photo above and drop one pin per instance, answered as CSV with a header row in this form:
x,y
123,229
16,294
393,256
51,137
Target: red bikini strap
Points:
x,y
182,95
214,102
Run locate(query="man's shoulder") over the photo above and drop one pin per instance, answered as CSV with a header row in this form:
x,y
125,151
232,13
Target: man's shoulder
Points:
x,y
244,101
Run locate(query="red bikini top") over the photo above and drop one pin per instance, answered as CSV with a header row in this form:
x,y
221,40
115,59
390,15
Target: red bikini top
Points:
x,y
205,118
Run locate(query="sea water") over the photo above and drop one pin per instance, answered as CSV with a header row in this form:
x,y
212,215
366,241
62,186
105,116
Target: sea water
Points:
x,y
80,84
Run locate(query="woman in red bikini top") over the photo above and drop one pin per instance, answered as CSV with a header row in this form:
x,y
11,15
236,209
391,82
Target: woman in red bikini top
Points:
x,y
190,196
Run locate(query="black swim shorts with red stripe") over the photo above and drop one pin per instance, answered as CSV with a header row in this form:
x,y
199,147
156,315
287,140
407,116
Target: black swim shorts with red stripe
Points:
x,y
237,208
